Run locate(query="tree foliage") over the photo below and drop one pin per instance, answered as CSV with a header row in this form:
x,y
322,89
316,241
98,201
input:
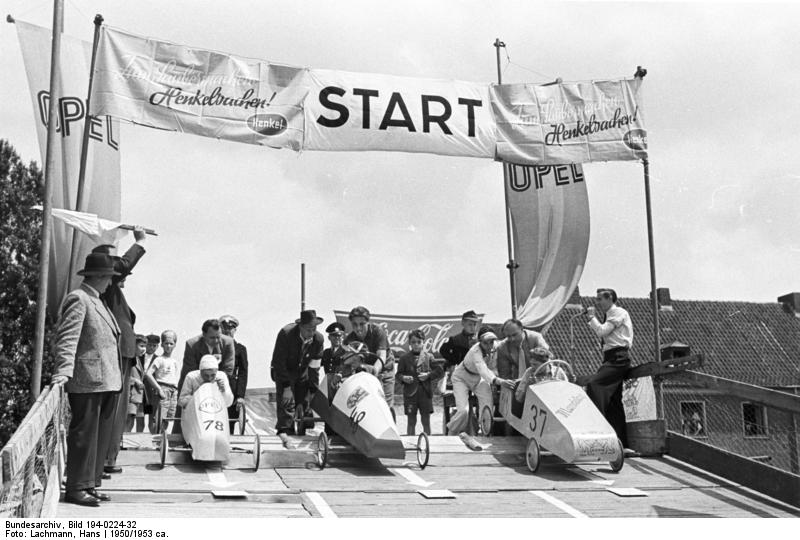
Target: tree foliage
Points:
x,y
21,187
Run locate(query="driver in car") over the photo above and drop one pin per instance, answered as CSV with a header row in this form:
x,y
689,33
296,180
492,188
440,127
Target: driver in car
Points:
x,y
208,373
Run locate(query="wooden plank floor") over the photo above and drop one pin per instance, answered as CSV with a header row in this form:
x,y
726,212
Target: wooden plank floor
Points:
x,y
490,483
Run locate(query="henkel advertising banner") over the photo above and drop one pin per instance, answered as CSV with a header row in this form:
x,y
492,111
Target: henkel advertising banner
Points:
x,y
102,182
549,208
575,122
365,111
169,86
436,328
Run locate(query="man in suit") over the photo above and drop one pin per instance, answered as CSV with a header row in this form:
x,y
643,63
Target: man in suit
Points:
x,y
229,325
213,342
87,359
126,318
296,346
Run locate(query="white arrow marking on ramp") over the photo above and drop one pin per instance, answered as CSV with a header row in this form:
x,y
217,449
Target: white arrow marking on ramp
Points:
x,y
411,477
217,478
322,507
561,505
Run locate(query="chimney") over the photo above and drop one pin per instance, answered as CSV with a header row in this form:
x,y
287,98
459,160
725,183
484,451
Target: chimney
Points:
x,y
663,298
676,349
791,303
574,301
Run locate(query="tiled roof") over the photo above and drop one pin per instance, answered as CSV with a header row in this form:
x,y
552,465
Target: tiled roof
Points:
x,y
745,341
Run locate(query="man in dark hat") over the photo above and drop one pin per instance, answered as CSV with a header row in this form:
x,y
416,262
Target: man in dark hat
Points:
x,y
297,345
126,318
229,325
87,360
212,342
455,348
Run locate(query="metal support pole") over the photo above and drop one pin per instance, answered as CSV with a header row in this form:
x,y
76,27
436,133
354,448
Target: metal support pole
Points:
x,y
47,204
98,21
651,246
512,265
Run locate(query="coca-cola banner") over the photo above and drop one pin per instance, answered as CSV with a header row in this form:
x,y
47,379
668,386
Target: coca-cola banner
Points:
x,y
366,111
179,88
549,208
569,122
436,328
102,190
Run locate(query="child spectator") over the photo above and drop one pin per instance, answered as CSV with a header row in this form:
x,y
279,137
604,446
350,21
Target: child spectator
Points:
x,y
163,375
417,370
136,394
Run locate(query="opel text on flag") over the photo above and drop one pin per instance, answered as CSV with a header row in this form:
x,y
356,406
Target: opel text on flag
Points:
x,y
101,193
164,85
363,111
569,122
550,229
436,329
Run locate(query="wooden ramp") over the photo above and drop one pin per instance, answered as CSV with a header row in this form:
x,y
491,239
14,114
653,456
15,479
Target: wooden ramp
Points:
x,y
491,483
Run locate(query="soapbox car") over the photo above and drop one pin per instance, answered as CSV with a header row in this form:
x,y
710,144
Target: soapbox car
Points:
x,y
558,416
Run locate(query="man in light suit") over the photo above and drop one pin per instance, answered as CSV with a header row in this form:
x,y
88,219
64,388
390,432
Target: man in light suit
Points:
x,y
213,342
88,360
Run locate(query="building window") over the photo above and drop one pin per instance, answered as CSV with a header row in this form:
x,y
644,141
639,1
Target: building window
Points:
x,y
693,418
754,417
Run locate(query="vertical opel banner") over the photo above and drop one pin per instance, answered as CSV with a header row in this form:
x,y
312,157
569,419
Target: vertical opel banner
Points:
x,y
575,122
102,183
169,86
550,229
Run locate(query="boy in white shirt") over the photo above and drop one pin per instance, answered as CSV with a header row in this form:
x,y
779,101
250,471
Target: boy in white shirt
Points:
x,y
208,373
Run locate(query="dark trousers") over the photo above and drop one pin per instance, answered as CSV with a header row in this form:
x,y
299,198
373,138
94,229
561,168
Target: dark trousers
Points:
x,y
286,414
605,389
120,413
88,438
233,414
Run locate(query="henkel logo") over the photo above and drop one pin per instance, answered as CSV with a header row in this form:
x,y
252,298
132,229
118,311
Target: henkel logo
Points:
x,y
635,139
210,405
268,124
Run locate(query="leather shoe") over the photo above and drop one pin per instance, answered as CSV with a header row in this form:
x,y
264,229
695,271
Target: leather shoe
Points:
x,y
105,476
80,497
112,469
97,495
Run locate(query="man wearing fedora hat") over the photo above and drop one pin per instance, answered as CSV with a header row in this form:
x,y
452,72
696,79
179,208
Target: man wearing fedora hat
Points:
x,y
115,299
88,361
297,345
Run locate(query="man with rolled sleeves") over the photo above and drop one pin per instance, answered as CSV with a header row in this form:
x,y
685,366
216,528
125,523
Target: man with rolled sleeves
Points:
x,y
126,318
296,347
88,361
229,325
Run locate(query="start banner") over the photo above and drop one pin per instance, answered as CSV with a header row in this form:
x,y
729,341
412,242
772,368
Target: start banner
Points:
x,y
365,111
397,327
179,88
567,123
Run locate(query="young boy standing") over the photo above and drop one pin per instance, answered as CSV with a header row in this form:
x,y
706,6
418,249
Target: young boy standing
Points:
x,y
136,394
163,375
417,370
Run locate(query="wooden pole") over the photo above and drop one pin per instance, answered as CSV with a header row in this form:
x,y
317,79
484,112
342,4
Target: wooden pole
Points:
x,y
302,286
47,216
512,265
98,21
651,247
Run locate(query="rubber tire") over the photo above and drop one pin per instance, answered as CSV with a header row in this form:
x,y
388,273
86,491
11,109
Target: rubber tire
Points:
x,y
299,424
533,455
617,464
486,421
322,450
256,453
242,419
423,450
162,452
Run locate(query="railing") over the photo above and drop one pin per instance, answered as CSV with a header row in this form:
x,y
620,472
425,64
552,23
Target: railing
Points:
x,y
33,460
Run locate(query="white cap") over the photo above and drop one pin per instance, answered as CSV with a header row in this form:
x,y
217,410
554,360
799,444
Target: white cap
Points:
x,y
209,361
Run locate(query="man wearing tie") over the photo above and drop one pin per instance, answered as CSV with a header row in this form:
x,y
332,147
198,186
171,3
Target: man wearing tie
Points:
x,y
213,342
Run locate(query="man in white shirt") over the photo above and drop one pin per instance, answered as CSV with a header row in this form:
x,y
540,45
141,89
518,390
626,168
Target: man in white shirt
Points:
x,y
616,337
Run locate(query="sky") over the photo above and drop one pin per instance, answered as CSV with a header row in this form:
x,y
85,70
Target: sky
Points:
x,y
413,234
